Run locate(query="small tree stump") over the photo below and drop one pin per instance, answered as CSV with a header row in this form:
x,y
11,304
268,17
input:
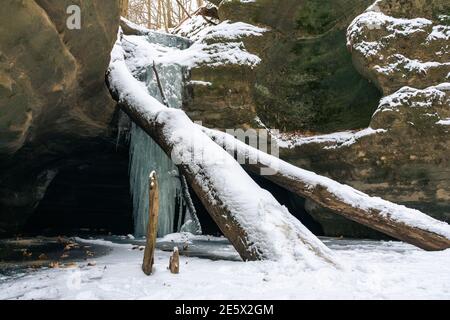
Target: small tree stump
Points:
x,y
174,261
152,227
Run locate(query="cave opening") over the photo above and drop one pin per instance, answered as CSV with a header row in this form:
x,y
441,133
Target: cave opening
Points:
x,y
87,197
294,203
91,196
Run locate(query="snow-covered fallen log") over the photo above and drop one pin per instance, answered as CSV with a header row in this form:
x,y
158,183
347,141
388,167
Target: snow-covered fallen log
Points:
x,y
398,221
250,217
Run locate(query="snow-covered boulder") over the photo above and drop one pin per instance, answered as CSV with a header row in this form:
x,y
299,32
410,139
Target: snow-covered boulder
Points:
x,y
403,47
397,43
305,73
402,157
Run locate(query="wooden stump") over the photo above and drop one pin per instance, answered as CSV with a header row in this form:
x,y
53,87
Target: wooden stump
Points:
x,y
174,261
152,227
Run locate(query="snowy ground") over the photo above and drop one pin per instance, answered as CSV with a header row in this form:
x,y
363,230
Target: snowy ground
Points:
x,y
373,270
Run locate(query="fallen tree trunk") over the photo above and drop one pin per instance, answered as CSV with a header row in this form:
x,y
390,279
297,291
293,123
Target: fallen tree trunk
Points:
x,y
397,221
250,217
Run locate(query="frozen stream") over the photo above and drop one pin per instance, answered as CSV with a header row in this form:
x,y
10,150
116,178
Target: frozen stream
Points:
x,y
210,269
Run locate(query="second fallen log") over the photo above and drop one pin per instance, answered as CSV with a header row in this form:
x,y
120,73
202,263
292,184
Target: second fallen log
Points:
x,y
397,221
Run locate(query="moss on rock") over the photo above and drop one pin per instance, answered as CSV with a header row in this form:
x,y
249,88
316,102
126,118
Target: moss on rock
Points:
x,y
306,80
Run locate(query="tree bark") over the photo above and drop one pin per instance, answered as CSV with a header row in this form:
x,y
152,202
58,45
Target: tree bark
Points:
x,y
174,261
372,218
180,5
412,226
152,226
149,12
158,81
124,8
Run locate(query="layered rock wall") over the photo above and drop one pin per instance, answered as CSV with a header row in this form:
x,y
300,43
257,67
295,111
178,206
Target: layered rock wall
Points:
x,y
53,99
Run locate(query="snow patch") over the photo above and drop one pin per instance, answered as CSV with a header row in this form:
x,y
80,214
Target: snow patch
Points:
x,y
377,270
374,20
200,83
411,65
444,122
439,32
414,98
337,139
216,45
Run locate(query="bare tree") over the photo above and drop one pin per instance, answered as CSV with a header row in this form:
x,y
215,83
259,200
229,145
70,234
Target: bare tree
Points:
x,y
160,14
124,7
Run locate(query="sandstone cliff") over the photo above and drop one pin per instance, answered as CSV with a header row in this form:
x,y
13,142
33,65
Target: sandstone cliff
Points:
x,y
308,80
305,81
53,100
403,47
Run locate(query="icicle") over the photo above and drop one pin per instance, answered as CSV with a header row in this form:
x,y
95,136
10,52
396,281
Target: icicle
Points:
x,y
123,129
192,223
146,155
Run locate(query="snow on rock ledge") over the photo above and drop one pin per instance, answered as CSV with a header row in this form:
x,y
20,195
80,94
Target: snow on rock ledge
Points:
x,y
329,141
216,45
414,107
394,51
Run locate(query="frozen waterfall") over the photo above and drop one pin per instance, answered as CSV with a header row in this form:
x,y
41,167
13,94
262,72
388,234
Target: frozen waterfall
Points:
x,y
146,155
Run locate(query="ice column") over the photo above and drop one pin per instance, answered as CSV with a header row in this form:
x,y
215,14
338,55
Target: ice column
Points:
x,y
146,155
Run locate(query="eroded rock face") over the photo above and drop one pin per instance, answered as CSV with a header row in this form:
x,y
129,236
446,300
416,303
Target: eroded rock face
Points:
x,y
308,80
407,162
305,81
220,93
53,99
402,43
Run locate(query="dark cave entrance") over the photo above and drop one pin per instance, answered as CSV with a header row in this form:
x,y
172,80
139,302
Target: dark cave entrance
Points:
x,y
294,203
90,196
87,197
